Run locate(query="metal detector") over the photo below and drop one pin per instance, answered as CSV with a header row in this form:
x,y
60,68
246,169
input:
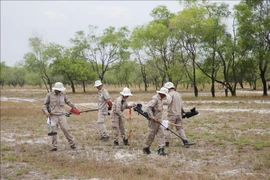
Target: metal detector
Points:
x,y
76,111
138,109
50,123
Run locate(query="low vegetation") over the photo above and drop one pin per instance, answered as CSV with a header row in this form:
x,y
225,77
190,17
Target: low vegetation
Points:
x,y
231,134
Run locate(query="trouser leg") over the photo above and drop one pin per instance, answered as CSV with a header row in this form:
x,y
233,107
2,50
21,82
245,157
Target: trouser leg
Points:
x,y
101,125
171,119
153,127
54,129
161,137
66,130
115,127
180,128
122,128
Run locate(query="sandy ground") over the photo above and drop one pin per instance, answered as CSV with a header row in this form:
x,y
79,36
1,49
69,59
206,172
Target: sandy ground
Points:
x,y
209,158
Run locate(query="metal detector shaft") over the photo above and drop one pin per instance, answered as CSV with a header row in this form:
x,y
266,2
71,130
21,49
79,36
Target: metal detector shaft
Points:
x,y
170,130
138,108
89,110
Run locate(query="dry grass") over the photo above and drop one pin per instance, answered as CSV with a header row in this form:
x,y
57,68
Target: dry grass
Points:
x,y
232,144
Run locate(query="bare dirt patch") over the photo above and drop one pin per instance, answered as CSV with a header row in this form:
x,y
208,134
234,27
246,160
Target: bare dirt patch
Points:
x,y
232,142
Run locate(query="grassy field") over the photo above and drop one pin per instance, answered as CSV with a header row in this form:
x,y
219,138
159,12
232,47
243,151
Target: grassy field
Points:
x,y
232,138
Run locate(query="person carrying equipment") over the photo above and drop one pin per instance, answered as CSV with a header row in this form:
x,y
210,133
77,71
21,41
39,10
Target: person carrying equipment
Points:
x,y
55,101
118,118
175,107
154,110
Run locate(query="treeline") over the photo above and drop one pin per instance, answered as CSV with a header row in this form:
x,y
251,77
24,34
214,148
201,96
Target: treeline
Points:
x,y
193,47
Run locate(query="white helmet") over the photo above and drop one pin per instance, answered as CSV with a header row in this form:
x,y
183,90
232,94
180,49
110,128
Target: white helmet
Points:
x,y
163,90
126,92
59,87
97,83
169,85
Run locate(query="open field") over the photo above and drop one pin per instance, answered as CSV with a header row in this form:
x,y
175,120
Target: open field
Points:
x,y
232,138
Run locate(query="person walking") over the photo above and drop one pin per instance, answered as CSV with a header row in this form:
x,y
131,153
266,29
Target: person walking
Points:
x,y
118,118
104,104
54,109
175,107
154,110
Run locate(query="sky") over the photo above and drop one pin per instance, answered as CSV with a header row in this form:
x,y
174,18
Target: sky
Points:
x,y
58,21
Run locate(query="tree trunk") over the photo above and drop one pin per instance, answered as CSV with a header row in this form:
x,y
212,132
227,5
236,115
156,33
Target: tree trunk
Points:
x,y
72,86
226,91
241,84
194,79
145,84
48,90
84,86
262,75
264,86
213,88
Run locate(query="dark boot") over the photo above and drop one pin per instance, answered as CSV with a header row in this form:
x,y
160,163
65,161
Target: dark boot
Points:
x,y
104,138
54,149
167,144
146,150
161,152
125,141
73,146
115,143
187,144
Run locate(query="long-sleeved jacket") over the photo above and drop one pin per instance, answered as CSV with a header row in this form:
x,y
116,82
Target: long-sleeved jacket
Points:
x,y
174,102
155,107
56,103
119,105
103,96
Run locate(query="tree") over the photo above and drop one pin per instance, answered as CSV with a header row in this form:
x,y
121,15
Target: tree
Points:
x,y
10,79
3,73
139,53
33,79
214,39
253,19
187,27
105,50
37,61
249,72
125,72
155,43
20,74
74,69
